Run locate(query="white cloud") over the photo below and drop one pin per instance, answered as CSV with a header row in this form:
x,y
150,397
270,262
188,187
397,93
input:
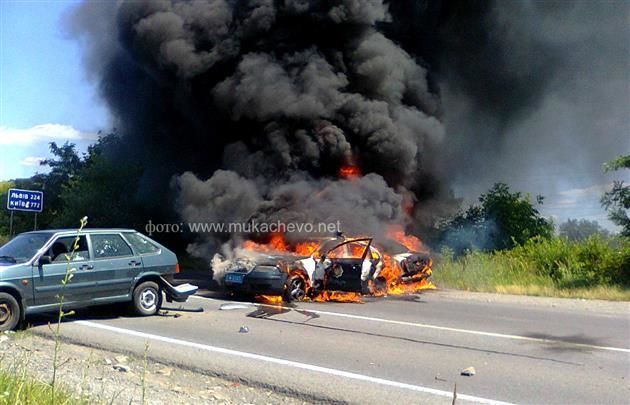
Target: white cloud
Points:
x,y
595,190
43,132
32,160
566,203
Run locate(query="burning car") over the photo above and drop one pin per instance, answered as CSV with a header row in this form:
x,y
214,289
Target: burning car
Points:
x,y
336,268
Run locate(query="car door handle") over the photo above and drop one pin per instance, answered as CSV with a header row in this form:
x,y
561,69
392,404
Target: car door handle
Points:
x,y
86,267
135,263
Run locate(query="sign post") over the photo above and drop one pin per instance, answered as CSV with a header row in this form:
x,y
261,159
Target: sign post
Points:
x,y
24,200
11,225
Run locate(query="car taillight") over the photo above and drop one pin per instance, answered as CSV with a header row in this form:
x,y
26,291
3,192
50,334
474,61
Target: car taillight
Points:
x,y
177,268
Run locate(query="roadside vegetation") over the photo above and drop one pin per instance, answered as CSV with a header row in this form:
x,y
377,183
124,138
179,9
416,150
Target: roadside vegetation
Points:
x,y
16,387
504,245
594,268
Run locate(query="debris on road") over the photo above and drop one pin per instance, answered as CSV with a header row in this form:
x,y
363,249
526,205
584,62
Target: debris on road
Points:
x,y
121,367
168,314
228,307
468,371
243,329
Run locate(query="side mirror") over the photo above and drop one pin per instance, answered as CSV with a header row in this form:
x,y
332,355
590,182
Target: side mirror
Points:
x,y
44,260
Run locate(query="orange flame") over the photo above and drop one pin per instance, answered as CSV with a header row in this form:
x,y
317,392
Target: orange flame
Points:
x,y
275,300
306,248
277,244
338,296
396,232
349,172
392,273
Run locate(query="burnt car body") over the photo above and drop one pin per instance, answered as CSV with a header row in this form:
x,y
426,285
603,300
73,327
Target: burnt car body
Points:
x,y
338,264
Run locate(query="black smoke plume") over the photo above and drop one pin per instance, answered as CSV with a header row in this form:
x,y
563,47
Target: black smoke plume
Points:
x,y
252,107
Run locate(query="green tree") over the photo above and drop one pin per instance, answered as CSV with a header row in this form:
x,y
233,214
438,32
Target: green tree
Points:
x,y
104,188
617,200
576,230
502,220
64,165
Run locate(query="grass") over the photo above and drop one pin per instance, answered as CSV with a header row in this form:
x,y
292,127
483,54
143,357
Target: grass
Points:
x,y
596,268
17,388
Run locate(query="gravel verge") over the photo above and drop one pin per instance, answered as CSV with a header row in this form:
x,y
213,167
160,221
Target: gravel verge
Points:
x,y
100,376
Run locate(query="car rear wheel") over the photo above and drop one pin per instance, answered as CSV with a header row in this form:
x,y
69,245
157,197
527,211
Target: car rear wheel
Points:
x,y
147,298
9,312
295,289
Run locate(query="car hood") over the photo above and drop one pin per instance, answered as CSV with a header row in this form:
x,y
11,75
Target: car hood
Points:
x,y
274,259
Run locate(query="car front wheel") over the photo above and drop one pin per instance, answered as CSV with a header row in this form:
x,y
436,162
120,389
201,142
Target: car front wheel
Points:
x,y
295,289
9,312
147,298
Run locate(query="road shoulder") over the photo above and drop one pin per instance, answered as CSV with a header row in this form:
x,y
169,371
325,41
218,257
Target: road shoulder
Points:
x,y
101,376
569,304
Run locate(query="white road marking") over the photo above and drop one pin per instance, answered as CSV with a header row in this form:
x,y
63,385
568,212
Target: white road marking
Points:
x,y
436,327
289,363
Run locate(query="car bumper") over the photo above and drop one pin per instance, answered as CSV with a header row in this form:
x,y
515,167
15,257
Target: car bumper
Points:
x,y
178,293
259,282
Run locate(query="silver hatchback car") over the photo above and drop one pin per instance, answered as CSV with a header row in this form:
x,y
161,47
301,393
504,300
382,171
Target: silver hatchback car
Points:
x,y
108,266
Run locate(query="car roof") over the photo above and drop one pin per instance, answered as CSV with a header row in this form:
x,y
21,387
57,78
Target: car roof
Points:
x,y
85,230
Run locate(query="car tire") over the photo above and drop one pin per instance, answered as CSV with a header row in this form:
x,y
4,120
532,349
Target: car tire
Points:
x,y
295,289
10,312
147,298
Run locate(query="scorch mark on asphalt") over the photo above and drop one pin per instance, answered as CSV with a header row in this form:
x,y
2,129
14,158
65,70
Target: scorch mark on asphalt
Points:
x,y
288,363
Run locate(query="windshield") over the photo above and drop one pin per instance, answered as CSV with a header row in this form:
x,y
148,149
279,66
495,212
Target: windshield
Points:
x,y
23,247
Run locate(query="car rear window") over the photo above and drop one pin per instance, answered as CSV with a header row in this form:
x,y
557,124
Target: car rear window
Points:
x,y
141,244
110,246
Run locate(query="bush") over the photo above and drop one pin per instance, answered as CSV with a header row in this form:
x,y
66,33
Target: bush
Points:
x,y
542,266
502,220
594,261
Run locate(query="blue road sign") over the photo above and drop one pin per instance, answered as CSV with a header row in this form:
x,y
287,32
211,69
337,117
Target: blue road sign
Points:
x,y
25,200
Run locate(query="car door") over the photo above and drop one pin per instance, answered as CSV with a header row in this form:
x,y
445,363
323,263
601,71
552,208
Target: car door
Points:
x,y
346,261
48,278
153,261
115,265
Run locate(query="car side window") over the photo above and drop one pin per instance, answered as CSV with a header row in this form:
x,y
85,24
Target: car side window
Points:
x,y
351,250
62,249
141,244
109,245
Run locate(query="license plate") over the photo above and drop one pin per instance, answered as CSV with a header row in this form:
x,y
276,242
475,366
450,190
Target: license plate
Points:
x,y
234,278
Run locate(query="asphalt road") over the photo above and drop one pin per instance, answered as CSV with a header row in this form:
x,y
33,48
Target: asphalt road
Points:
x,y
389,350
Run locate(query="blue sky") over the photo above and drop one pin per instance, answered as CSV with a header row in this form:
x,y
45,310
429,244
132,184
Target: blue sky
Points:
x,y
44,94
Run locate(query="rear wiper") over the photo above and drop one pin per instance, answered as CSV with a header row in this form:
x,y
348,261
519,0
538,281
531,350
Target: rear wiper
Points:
x,y
8,258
